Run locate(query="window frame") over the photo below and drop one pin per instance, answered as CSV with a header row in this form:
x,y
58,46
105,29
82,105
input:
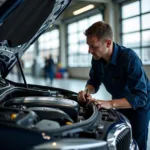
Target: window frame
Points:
x,y
50,50
140,31
92,13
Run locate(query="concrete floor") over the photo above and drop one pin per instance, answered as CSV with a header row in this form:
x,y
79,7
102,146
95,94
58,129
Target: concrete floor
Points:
x,y
73,85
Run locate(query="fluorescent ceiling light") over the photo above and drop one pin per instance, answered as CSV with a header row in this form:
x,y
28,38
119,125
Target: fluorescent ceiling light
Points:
x,y
81,10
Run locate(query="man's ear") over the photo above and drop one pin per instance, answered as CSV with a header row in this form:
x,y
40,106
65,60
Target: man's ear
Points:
x,y
108,43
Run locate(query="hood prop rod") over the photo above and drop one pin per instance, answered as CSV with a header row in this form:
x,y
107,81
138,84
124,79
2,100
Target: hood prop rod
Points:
x,y
21,71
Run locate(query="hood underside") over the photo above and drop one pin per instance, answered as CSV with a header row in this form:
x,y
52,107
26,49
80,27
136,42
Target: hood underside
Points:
x,y
21,23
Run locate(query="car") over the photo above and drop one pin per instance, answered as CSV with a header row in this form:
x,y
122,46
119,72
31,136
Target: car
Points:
x,y
36,117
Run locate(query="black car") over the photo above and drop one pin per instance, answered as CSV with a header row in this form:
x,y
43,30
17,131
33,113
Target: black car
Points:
x,y
34,117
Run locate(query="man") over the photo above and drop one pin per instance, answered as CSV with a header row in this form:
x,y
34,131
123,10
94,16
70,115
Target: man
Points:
x,y
121,71
51,68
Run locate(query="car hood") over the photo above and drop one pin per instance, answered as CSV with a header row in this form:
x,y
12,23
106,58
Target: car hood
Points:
x,y
21,23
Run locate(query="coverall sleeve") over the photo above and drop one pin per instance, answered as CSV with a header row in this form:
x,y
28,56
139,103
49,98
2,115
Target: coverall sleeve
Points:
x,y
137,84
94,79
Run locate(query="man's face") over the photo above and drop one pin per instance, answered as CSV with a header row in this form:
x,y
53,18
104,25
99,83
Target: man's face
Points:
x,y
97,47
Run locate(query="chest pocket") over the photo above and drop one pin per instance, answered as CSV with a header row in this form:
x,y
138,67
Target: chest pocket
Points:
x,y
118,84
116,80
100,77
99,74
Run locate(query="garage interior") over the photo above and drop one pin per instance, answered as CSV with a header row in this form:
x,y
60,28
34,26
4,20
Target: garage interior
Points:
x,y
65,41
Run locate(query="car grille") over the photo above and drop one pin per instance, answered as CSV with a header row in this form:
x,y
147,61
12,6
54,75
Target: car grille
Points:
x,y
123,140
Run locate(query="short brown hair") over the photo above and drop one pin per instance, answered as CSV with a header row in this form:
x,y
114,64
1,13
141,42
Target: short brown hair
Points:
x,y
101,29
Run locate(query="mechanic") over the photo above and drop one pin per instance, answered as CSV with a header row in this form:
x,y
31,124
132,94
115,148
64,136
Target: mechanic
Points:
x,y
120,70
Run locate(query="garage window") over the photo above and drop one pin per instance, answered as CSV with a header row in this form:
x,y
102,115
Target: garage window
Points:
x,y
29,56
136,28
77,48
49,44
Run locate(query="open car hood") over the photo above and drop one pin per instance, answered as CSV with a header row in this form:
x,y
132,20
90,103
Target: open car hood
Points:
x,y
21,23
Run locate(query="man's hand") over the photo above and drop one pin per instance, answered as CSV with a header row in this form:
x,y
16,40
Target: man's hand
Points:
x,y
101,103
83,96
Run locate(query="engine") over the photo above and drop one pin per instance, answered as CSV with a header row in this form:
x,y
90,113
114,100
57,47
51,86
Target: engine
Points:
x,y
49,114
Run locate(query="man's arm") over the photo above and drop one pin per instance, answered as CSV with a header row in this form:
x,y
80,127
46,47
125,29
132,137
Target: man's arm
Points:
x,y
121,103
115,103
137,84
94,80
92,85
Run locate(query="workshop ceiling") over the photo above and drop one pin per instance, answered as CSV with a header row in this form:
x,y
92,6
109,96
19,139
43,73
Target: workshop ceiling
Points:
x,y
104,1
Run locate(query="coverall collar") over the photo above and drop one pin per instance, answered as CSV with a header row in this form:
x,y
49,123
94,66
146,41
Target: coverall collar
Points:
x,y
115,54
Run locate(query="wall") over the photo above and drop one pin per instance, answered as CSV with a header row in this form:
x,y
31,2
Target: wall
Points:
x,y
82,73
147,70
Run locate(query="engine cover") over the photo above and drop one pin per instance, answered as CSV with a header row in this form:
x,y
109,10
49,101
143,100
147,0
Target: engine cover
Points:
x,y
68,106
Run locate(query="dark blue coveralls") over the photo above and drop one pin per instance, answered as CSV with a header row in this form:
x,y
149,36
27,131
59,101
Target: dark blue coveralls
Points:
x,y
124,77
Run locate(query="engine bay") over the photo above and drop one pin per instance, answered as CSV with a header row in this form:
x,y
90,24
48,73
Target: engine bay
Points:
x,y
35,111
52,110
47,114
